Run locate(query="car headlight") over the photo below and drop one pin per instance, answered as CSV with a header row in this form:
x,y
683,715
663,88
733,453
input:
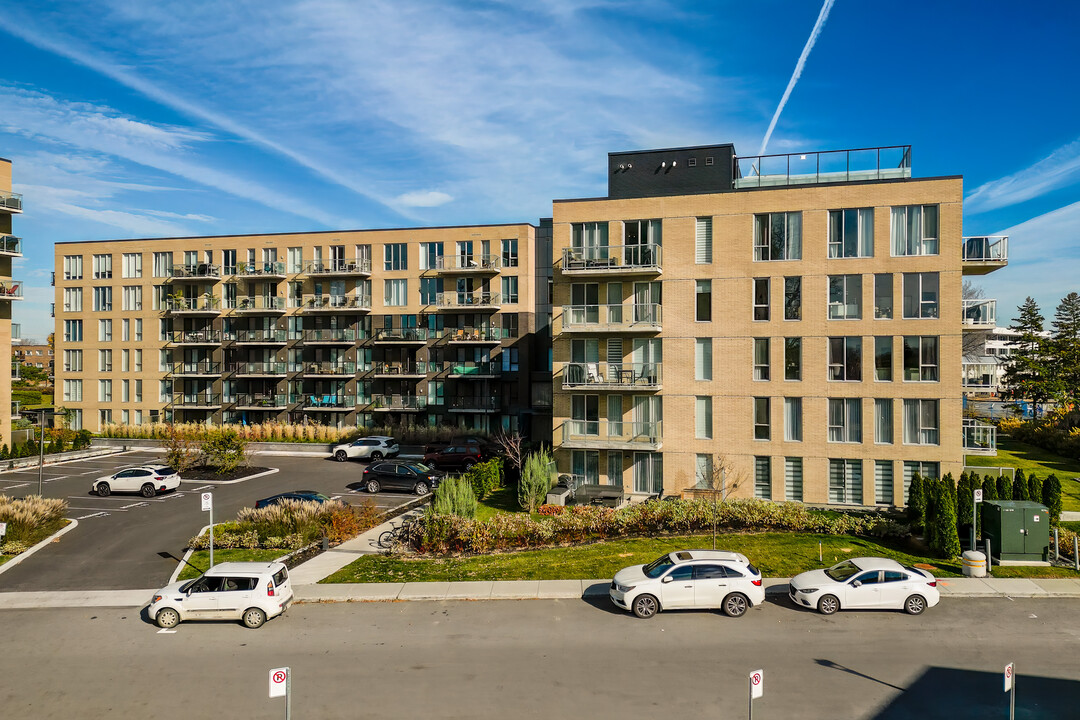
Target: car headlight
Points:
x,y
623,588
808,590
157,598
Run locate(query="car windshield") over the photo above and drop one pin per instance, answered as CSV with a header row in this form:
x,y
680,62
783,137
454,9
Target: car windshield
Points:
x,y
657,567
842,571
419,467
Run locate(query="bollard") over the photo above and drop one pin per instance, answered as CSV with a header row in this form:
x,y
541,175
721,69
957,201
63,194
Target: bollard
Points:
x,y
1056,545
989,560
1076,555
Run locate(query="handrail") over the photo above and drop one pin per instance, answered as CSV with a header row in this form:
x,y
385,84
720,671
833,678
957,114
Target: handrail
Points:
x,y
612,375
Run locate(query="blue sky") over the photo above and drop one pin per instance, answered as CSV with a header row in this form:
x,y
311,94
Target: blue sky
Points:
x,y
127,118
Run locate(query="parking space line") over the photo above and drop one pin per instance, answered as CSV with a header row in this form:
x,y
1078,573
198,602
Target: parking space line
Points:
x,y
134,505
73,507
163,631
93,515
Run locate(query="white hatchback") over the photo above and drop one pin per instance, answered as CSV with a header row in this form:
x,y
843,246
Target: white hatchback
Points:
x,y
865,583
147,480
251,592
689,579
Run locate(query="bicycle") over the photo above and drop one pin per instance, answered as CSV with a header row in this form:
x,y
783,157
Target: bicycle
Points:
x,y
397,534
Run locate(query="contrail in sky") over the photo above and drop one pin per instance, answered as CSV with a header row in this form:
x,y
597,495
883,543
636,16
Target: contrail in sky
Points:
x,y
821,18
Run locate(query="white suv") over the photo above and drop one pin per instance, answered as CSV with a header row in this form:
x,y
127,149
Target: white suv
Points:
x,y
247,591
688,579
374,447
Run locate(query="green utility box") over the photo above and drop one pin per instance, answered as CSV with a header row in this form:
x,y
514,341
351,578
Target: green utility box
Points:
x,y
1017,529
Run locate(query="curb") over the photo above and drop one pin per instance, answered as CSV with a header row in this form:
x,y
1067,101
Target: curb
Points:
x,y
271,471
82,455
22,556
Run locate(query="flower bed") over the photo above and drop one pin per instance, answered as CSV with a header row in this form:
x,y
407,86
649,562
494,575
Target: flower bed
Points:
x,y
291,525
29,521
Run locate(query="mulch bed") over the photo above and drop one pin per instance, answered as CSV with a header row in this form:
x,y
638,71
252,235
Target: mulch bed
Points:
x,y
208,474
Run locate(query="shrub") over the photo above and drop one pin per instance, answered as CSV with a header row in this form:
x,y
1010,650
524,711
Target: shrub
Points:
x,y
944,540
225,451
965,500
29,519
1004,488
550,510
1034,488
1019,486
291,525
1051,498
916,507
535,480
181,450
486,477
455,496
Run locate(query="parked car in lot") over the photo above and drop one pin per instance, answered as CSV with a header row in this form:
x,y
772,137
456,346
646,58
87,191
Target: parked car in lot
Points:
x,y
865,583
304,495
375,447
147,480
410,476
251,592
455,457
689,579
487,447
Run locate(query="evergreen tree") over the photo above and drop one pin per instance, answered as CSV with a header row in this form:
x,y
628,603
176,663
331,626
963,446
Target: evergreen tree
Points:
x,y
1028,375
933,490
965,500
945,534
989,487
1019,486
1065,349
916,504
1051,498
1034,488
1004,487
4,452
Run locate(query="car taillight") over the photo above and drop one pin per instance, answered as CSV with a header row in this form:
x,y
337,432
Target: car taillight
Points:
x,y
269,588
932,583
367,470
756,581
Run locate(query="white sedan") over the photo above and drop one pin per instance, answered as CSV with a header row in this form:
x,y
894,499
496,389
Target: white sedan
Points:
x,y
865,583
147,480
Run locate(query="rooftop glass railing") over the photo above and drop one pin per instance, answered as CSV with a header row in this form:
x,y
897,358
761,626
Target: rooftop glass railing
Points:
x,y
830,166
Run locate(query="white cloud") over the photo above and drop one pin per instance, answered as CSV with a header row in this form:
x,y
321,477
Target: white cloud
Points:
x,y
1059,169
423,198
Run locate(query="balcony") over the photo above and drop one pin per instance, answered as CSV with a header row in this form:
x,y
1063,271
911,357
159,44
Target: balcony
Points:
x,y
612,376
11,245
398,403
473,404
472,264
980,314
335,303
202,305
195,337
198,272
831,166
201,400
199,368
402,369
626,317
612,260
402,336
330,403
339,267
271,270
10,202
259,401
985,254
330,336
325,369
11,290
979,438
474,335
259,369
455,301
261,336
980,375
471,369
606,435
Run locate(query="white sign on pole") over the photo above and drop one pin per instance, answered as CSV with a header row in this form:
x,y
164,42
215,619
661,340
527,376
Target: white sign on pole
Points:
x,y
1008,677
207,501
278,678
3,529
978,495
757,683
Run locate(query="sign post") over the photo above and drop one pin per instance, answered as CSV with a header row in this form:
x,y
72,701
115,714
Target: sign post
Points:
x,y
1010,687
281,686
208,505
975,515
3,531
757,689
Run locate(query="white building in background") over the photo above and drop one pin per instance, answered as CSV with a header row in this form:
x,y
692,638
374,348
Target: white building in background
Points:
x,y
984,371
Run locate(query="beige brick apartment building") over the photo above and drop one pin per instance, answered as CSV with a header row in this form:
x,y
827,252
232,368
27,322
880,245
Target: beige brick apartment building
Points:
x,y
424,326
10,290
799,317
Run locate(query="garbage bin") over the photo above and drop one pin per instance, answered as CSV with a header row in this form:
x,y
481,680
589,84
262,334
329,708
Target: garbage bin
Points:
x,y
974,563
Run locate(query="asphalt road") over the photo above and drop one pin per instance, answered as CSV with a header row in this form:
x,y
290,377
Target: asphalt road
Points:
x,y
116,543
548,659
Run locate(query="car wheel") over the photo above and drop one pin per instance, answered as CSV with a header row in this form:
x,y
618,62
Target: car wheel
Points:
x,y
828,604
376,455
468,464
914,605
421,488
735,605
645,606
103,489
254,618
147,491
373,486
167,618
341,456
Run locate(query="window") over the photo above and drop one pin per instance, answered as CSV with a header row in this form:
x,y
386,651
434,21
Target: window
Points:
x,y
396,292
883,421
73,361
883,359
510,289
921,358
761,358
703,359
921,295
762,425
793,358
294,258
73,331
510,325
73,390
138,394
125,360
703,417
845,420
925,469
105,360
762,478
429,290
73,267
778,236
72,299
883,486
510,252
585,465
138,330
883,297
703,300
105,330
396,256
510,360
793,479
761,298
591,238
638,237
102,299
132,265
703,240
133,297
845,359
430,253
138,361
703,473
851,233
915,230
125,391
845,297
845,481
921,422
102,267
105,390
793,419
793,298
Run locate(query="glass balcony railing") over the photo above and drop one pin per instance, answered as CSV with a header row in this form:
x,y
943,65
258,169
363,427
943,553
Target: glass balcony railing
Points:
x,y
259,368
604,259
259,303
401,335
268,336
474,335
261,269
612,376
980,375
468,301
329,368
197,400
397,369
470,369
473,404
11,245
330,335
195,337
829,166
11,290
10,201
323,401
980,313
468,263
199,271
979,438
202,304
259,401
339,266
625,317
983,254
199,367
399,402
609,434
338,303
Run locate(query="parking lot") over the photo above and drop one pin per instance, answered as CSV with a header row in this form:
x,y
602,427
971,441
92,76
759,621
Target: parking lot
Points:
x,y
116,543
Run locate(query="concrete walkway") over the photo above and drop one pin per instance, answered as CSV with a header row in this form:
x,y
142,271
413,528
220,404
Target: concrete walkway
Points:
x,y
1070,516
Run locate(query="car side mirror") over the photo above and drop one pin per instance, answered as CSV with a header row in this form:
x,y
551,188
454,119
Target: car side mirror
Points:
x,y
667,579
856,583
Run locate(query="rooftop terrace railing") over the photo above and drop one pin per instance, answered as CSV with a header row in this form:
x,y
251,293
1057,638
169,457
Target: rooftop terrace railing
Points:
x,y
828,166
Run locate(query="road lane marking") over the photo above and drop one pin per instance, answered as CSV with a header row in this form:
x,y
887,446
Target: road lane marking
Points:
x,y
92,515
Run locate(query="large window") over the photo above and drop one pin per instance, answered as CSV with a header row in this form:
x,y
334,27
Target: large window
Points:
x,y
103,299
703,417
778,236
915,230
703,471
793,419
510,289
793,479
395,256
883,421
429,255
845,358
761,358
105,330
73,331
73,390
793,358
793,298
396,292
703,359
845,420
762,478
851,233
590,238
429,290
762,422
883,296
73,299
845,481
883,482
133,297
921,422
883,359
510,257
102,267
703,300
73,269
845,297
132,265
925,469
703,240
105,391
761,298
921,358
73,361
585,465
921,295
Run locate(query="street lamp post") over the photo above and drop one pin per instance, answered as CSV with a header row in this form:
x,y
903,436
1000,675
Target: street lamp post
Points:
x,y
41,449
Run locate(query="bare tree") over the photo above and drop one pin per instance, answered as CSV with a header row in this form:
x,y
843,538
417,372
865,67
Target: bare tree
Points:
x,y
513,446
718,481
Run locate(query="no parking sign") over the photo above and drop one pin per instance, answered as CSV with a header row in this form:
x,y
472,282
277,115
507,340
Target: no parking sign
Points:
x,y
279,678
757,683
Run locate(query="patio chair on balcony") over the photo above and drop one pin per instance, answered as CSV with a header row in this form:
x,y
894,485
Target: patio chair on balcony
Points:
x,y
592,373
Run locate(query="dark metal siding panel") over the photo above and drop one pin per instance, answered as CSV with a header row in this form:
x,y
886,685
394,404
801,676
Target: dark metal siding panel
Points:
x,y
656,173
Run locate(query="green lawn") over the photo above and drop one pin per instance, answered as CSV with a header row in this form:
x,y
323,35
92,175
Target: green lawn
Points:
x,y
502,500
5,558
201,559
1033,459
